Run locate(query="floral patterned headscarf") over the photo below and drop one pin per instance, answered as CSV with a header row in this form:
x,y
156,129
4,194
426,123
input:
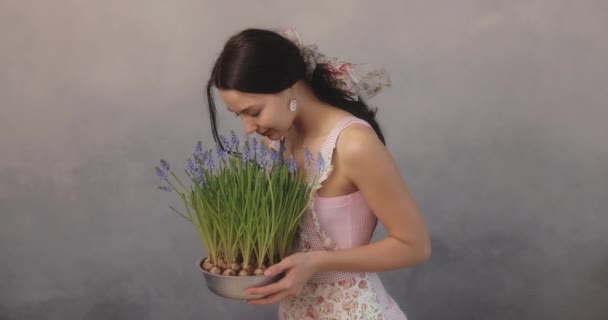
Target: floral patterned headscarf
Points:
x,y
357,80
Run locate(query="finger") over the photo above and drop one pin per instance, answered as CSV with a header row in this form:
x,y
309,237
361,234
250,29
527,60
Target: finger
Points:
x,y
278,268
271,299
268,289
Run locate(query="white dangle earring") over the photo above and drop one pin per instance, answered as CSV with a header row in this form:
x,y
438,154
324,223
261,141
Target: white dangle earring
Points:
x,y
293,105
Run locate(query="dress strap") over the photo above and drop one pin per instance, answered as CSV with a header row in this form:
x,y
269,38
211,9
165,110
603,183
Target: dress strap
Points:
x,y
330,143
328,146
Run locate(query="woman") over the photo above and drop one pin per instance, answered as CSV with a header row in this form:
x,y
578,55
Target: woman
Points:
x,y
294,96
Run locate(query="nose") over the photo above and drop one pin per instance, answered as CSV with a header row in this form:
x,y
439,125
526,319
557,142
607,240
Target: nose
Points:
x,y
250,125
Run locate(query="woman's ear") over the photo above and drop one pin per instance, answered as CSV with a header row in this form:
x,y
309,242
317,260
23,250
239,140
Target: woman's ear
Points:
x,y
294,89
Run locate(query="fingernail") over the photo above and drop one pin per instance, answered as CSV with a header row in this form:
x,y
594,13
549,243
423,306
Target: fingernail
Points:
x,y
267,273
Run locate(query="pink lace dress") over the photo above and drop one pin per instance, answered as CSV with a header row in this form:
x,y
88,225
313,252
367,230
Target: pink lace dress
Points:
x,y
336,223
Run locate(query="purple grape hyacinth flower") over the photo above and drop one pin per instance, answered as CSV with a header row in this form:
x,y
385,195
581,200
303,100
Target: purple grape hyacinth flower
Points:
x,y
209,163
198,151
320,163
225,142
234,140
275,158
190,168
194,171
246,153
199,176
221,154
308,158
291,164
262,155
254,145
202,160
165,188
165,165
160,173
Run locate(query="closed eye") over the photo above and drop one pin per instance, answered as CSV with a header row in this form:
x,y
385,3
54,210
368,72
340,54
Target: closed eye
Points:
x,y
249,113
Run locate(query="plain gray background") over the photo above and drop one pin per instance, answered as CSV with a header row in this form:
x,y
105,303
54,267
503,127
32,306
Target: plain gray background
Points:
x,y
497,118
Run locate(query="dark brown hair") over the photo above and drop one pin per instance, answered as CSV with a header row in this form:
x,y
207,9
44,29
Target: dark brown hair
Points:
x,y
264,62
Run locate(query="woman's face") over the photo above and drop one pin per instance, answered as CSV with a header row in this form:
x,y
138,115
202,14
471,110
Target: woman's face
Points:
x,y
266,114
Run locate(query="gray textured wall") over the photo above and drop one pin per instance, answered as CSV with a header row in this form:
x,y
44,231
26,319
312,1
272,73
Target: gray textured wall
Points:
x,y
497,118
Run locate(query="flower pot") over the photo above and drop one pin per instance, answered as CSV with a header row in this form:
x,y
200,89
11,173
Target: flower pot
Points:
x,y
233,287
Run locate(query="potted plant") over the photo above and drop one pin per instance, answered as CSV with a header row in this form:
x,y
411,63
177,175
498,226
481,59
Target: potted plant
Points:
x,y
245,206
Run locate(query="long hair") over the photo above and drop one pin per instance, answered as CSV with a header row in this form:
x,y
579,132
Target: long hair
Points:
x,y
264,62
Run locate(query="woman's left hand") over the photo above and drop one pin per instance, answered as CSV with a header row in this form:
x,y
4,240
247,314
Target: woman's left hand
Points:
x,y
298,268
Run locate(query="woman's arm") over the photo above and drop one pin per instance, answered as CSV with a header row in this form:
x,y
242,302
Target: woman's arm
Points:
x,y
367,163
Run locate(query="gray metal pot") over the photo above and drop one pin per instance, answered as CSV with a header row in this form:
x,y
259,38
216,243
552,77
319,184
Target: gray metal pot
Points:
x,y
233,287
